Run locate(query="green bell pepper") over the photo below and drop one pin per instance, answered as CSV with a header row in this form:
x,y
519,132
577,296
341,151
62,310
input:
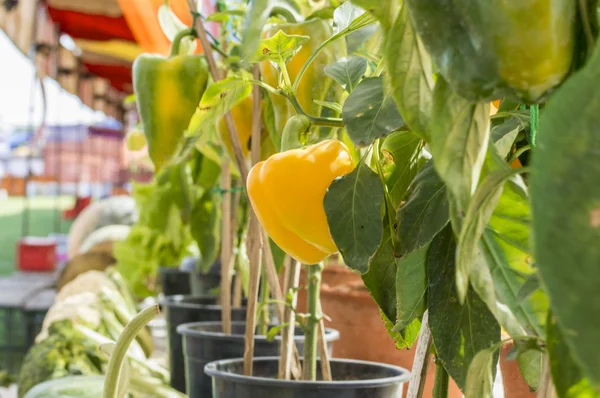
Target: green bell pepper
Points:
x,y
167,92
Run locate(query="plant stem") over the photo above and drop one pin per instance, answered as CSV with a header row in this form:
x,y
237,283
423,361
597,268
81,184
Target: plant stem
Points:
x,y
440,388
317,120
518,153
312,324
176,43
115,363
292,279
263,316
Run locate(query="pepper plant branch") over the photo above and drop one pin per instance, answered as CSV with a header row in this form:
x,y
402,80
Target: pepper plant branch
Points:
x,y
292,279
312,324
115,363
176,43
317,120
442,379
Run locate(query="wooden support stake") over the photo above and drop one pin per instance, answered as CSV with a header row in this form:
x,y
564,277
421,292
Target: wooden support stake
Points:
x,y
547,389
322,345
420,366
254,254
292,279
226,248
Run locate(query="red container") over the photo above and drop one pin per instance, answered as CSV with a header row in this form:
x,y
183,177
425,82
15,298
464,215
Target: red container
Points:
x,y
36,254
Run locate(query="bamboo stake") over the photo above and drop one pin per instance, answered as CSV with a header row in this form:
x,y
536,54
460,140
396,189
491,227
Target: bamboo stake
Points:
x,y
547,389
237,291
420,366
292,279
322,345
226,248
254,239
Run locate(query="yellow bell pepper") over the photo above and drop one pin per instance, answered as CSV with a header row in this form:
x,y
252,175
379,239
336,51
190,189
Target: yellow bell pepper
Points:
x,y
287,191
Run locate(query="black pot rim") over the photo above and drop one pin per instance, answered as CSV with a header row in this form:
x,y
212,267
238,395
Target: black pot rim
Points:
x,y
176,302
211,370
188,329
172,270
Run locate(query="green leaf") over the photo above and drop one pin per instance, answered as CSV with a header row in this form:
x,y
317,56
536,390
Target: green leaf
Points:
x,y
532,283
206,227
380,280
568,378
343,17
530,365
384,10
503,135
425,212
480,379
459,133
404,148
370,113
280,47
347,71
218,99
353,206
475,221
411,287
405,338
224,16
566,211
278,255
459,331
410,73
334,106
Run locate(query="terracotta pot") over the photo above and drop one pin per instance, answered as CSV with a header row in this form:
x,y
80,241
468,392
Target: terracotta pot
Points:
x,y
362,333
514,384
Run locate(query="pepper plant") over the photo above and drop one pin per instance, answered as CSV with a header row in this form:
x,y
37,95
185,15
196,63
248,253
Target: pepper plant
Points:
x,y
431,203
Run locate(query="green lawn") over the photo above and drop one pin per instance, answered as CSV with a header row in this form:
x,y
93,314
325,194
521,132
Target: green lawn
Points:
x,y
42,221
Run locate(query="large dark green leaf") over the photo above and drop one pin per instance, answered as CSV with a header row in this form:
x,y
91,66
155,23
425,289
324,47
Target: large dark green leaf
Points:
x,y
410,73
566,211
480,379
568,378
411,287
347,71
353,207
458,138
370,112
425,211
381,278
205,226
459,331
403,148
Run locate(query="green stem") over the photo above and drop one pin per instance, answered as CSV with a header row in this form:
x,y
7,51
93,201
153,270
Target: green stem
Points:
x,y
440,388
518,153
115,363
263,312
286,75
266,86
177,41
534,115
316,120
379,68
310,334
286,13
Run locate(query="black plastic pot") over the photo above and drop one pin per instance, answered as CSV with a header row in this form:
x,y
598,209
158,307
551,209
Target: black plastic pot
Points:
x,y
186,309
206,283
351,379
174,281
204,342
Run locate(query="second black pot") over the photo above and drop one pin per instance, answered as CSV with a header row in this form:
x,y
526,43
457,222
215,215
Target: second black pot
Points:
x,y
204,342
186,309
351,379
174,281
